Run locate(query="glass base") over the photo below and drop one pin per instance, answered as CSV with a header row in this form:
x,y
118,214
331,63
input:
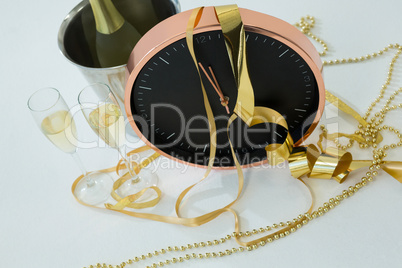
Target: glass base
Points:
x,y
95,189
145,179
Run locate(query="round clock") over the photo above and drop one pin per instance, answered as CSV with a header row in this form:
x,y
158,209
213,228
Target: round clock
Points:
x,y
164,100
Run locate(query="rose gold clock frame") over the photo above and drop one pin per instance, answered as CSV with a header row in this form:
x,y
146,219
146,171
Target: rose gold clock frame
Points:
x,y
174,29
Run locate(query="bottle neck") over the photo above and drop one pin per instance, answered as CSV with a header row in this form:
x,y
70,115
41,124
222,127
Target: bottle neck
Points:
x,y
107,18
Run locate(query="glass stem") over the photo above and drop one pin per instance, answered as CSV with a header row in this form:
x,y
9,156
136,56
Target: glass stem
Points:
x,y
90,182
128,163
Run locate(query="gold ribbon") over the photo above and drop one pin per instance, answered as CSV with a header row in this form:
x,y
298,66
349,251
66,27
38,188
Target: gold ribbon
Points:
x,y
332,163
122,179
234,33
129,201
235,40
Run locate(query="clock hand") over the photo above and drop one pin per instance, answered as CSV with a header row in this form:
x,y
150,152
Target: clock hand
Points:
x,y
224,100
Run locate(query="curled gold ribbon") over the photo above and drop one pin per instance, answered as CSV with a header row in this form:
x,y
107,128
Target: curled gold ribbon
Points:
x,y
121,180
332,163
309,161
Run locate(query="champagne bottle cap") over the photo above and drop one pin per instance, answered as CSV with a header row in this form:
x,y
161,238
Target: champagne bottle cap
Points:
x,y
107,18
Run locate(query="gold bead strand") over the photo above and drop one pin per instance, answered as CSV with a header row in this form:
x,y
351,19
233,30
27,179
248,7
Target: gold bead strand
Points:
x,y
306,24
361,58
387,81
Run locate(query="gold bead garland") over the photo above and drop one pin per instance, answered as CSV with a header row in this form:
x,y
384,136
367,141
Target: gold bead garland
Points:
x,y
368,132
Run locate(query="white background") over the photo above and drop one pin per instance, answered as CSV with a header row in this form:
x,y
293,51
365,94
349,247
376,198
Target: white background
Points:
x,y
41,224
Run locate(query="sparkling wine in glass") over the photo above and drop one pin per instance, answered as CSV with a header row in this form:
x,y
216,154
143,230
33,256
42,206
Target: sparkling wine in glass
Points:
x,y
102,111
53,117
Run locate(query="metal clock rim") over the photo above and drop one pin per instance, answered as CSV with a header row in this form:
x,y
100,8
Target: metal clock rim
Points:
x,y
154,39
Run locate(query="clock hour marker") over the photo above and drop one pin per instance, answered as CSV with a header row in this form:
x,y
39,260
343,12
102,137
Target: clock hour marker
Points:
x,y
140,105
278,134
300,116
205,147
174,49
273,43
284,53
139,99
143,81
300,110
256,38
209,37
292,55
304,72
155,63
146,74
265,40
307,98
167,53
150,69
247,37
280,47
181,144
162,59
297,60
142,111
308,85
183,45
301,66
171,135
297,121
309,91
141,93
189,147
219,36
147,88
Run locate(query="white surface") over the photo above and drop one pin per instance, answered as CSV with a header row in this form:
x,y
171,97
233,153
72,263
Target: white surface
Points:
x,y
43,226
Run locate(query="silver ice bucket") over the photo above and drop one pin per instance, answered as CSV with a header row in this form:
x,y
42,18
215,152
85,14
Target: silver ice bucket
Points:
x,y
77,36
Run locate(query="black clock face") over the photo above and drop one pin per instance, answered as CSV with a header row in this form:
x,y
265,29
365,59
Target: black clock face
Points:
x,y
168,107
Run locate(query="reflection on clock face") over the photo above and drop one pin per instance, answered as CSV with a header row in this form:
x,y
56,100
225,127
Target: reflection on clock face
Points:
x,y
168,106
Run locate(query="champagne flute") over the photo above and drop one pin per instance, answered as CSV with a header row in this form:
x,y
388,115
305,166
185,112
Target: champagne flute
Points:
x,y
53,117
102,111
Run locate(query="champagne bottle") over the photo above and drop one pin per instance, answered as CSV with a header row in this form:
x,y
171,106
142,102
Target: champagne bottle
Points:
x,y
115,37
